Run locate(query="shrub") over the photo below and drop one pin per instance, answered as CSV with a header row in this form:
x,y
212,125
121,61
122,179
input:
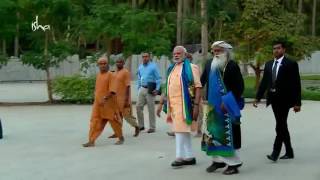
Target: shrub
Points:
x,y
308,93
74,89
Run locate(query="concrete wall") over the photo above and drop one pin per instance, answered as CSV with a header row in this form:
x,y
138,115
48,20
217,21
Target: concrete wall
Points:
x,y
16,71
311,66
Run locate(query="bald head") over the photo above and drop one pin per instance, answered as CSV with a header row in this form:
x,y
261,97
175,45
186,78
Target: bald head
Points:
x,y
102,59
120,63
179,53
103,64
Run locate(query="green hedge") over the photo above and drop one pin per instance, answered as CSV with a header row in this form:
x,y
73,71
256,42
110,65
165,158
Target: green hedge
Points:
x,y
309,93
310,77
74,89
79,89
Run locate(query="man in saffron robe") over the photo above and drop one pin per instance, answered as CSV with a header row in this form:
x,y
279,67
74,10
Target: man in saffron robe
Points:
x,y
105,108
123,79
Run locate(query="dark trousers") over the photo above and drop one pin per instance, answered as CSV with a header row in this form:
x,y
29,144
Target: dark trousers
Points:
x,y
283,136
0,130
236,131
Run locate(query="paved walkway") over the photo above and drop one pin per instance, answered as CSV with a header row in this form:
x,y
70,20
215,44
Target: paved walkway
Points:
x,y
44,143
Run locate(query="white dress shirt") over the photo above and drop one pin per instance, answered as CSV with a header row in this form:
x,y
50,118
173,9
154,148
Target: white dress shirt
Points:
x,y
279,64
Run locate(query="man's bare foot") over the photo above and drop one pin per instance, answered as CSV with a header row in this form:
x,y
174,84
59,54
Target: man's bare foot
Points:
x,y
120,141
88,144
136,132
113,136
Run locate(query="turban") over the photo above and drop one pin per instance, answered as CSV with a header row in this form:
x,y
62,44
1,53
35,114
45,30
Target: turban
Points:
x,y
221,44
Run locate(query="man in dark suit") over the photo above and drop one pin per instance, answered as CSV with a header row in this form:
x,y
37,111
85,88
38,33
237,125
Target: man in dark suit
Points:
x,y
281,81
233,82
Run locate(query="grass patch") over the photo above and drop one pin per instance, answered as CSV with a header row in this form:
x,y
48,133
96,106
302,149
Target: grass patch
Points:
x,y
249,91
309,93
310,77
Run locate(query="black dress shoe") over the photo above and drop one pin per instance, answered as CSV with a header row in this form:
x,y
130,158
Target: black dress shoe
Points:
x,y
190,162
287,156
151,131
272,157
214,166
177,163
231,170
142,128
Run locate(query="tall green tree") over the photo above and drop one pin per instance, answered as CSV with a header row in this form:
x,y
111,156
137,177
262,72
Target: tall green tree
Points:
x,y
204,29
262,22
49,47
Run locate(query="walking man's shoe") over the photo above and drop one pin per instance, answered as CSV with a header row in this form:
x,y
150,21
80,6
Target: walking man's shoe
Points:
x,y
136,132
214,166
272,157
151,131
88,144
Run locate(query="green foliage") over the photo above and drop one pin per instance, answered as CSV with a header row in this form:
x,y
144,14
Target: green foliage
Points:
x,y
311,77
264,21
311,94
57,52
7,18
74,89
138,29
308,93
249,91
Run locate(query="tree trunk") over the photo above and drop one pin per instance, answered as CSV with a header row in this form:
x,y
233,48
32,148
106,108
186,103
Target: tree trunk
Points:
x,y
204,30
134,4
53,36
314,11
300,6
257,72
179,22
195,7
16,38
49,87
220,28
49,84
68,29
98,43
109,46
4,47
185,11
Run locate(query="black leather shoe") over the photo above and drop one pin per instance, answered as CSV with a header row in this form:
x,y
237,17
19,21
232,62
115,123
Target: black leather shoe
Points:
x,y
177,163
272,157
142,128
151,131
231,170
287,156
214,166
190,162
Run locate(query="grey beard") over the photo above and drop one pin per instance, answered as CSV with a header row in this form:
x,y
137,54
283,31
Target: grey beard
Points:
x,y
177,61
218,62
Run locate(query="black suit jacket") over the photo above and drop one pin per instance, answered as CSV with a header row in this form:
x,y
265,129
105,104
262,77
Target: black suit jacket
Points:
x,y
288,85
232,78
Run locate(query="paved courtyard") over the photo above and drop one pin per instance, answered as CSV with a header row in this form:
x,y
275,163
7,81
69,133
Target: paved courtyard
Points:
x,y
44,143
